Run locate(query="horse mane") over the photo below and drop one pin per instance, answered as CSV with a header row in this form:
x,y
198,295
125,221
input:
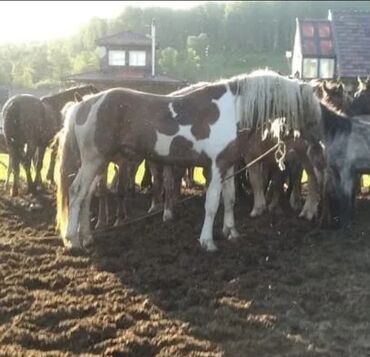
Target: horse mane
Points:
x,y
265,95
190,88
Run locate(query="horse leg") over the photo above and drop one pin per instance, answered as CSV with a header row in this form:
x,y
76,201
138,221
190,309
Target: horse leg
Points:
x,y
77,193
211,206
14,159
8,172
53,156
310,207
26,161
123,187
40,160
256,181
295,182
347,199
189,177
277,181
85,232
146,182
102,193
157,186
228,195
172,177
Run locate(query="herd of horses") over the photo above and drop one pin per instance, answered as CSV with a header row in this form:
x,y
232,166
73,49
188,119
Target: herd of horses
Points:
x,y
317,127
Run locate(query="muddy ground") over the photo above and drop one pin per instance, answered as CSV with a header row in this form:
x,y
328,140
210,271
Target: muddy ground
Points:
x,y
149,290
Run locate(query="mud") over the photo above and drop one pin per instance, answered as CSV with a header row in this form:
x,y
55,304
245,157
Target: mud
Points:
x,y
284,289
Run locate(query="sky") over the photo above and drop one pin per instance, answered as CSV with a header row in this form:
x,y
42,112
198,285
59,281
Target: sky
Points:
x,y
24,21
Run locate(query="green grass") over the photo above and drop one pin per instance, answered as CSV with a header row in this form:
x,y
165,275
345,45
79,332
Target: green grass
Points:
x,y
198,175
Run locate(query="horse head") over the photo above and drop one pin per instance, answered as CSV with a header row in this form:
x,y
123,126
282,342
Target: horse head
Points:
x,y
361,102
333,94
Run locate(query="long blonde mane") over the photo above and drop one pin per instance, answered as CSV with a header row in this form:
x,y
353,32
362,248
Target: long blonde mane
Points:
x,y
265,95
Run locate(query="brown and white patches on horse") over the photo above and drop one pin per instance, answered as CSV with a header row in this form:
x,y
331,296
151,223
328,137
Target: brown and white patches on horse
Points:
x,y
197,109
172,111
229,155
84,110
202,125
199,120
167,125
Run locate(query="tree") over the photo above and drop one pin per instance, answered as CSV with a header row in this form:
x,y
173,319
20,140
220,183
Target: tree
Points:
x,y
199,44
168,60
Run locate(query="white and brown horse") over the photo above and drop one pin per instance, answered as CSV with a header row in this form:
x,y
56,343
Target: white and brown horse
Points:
x,y
199,128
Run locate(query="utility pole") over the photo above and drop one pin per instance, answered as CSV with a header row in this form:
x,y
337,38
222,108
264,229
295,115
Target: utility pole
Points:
x,y
153,47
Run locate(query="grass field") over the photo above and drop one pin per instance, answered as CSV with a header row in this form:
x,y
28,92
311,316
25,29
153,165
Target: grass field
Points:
x,y
198,176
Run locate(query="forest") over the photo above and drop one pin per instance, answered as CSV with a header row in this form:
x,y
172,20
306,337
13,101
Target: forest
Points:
x,y
209,41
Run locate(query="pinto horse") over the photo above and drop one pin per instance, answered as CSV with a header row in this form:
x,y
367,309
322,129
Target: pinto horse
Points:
x,y
30,124
196,129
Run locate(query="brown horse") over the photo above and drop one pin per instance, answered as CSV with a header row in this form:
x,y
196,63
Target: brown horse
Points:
x,y
30,124
195,129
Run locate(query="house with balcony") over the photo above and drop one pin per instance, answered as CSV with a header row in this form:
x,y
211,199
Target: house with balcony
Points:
x,y
126,60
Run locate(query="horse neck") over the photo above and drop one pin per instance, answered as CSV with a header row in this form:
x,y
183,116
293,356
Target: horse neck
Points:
x,y
59,100
334,123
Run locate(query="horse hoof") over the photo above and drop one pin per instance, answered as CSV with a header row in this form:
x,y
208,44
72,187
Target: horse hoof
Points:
x,y
87,241
167,215
153,208
309,216
209,246
72,244
256,212
234,235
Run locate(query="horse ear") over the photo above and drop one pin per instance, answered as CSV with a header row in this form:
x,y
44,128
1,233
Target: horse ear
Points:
x,y
78,97
359,80
341,87
324,86
93,89
367,83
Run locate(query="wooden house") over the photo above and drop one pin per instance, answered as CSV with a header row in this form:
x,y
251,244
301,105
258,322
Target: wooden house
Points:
x,y
338,46
126,60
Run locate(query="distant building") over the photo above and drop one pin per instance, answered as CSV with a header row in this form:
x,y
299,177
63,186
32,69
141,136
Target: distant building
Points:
x,y
335,47
126,61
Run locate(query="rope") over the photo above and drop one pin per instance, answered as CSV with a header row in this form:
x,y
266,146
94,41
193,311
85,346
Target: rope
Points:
x,y
102,231
280,146
279,155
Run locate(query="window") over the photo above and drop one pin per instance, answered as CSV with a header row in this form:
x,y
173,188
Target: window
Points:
x,y
309,47
326,47
326,68
137,58
324,30
308,30
117,58
310,66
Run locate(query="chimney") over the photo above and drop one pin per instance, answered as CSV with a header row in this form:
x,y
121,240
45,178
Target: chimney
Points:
x,y
153,47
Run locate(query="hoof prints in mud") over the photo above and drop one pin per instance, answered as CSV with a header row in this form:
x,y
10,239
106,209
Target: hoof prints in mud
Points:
x,y
150,290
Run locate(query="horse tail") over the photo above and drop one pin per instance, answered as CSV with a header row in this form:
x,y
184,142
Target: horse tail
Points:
x,y
11,119
68,161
